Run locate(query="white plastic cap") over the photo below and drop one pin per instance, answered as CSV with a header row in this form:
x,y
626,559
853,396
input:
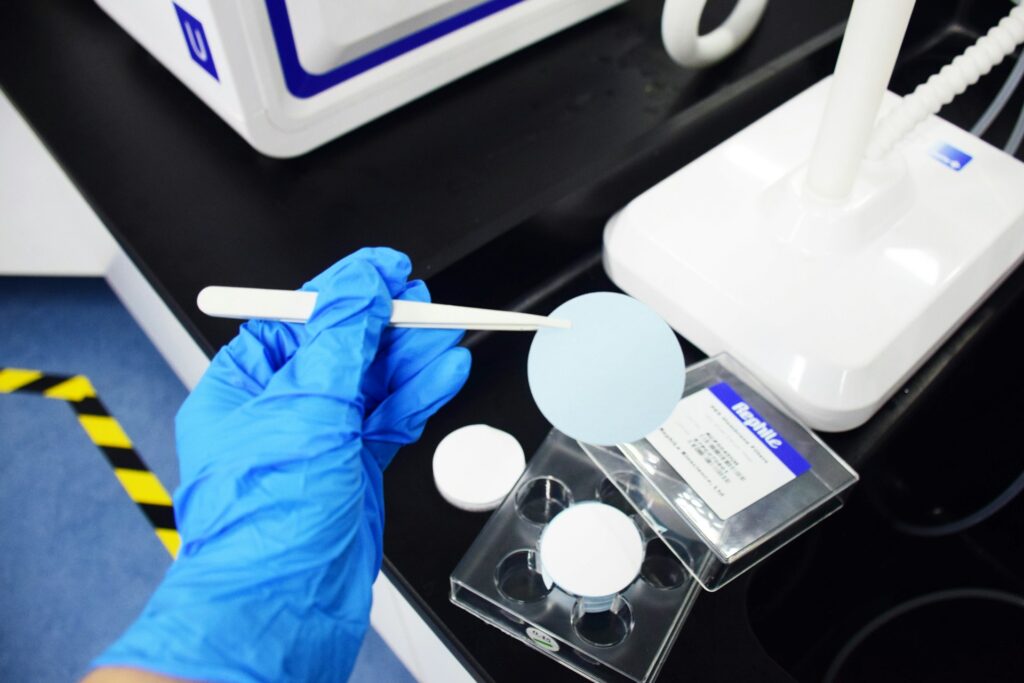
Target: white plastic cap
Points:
x,y
476,466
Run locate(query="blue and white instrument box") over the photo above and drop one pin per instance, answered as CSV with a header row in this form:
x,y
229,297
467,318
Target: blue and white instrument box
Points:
x,y
290,75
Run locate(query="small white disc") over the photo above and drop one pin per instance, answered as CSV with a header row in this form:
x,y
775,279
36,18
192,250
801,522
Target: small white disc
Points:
x,y
591,550
476,466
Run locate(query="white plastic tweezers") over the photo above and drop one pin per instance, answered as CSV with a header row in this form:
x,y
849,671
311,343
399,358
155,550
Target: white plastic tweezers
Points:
x,y
245,303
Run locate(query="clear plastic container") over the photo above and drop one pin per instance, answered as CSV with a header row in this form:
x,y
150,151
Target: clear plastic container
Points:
x,y
499,579
716,548
788,481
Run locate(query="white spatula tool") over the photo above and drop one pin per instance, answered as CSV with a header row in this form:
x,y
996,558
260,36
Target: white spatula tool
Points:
x,y
296,307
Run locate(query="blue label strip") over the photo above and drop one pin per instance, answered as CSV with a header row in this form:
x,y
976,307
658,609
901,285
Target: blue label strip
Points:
x,y
301,83
950,156
760,428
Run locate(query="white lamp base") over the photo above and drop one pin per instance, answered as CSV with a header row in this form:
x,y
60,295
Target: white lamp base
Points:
x,y
832,305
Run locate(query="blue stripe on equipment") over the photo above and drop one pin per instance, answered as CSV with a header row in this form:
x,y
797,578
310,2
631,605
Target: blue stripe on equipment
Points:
x,y
303,84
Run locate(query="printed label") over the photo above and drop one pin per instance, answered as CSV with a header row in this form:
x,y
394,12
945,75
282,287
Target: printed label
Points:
x,y
542,639
727,453
195,39
950,156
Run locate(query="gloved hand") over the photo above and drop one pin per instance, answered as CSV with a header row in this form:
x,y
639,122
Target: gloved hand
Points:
x,y
282,447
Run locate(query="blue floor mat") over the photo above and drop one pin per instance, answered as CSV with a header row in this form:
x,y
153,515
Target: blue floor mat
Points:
x,y
78,559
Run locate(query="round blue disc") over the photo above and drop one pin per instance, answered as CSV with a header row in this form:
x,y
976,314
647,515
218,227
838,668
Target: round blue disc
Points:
x,y
614,377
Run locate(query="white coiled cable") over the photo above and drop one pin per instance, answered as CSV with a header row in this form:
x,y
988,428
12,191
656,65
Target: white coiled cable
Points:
x,y
950,81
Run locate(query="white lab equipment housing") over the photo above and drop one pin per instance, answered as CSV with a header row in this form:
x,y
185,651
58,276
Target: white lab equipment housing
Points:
x,y
832,276
832,307
290,75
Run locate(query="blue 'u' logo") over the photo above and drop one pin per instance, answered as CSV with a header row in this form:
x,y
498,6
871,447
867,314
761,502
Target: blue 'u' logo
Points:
x,y
195,39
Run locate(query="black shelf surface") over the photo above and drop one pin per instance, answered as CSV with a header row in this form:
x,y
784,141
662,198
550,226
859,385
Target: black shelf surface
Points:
x,y
498,187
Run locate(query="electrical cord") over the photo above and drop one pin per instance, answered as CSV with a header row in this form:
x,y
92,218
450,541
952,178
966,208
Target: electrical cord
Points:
x,y
1016,135
940,89
976,517
910,605
952,80
995,108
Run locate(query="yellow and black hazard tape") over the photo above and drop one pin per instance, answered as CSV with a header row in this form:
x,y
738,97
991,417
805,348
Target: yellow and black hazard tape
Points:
x,y
138,481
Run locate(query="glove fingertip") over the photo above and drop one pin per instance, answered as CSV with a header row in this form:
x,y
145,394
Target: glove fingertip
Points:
x,y
387,259
416,290
357,286
392,265
461,361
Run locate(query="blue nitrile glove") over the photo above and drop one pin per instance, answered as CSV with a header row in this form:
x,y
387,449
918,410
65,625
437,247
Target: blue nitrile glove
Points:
x,y
282,446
